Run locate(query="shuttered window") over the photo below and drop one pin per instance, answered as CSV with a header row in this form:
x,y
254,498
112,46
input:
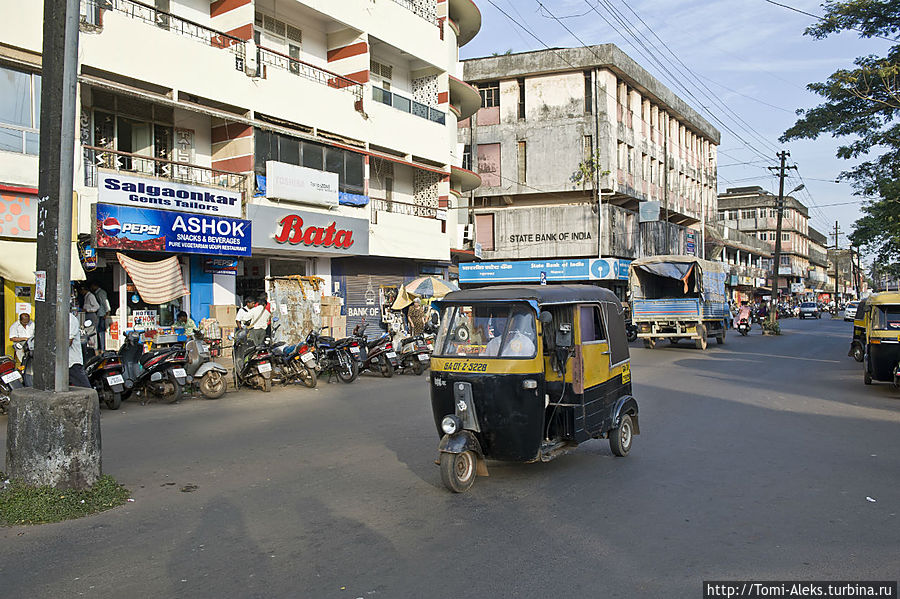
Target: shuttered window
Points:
x,y
484,231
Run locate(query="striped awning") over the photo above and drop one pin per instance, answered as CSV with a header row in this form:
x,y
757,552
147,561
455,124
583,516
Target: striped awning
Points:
x,y
156,282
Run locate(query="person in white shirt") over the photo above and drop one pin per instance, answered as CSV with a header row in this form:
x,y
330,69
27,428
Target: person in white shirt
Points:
x,y
244,313
77,377
258,321
21,330
102,313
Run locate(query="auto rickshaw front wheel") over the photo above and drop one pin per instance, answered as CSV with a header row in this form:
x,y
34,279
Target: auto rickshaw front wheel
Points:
x,y
458,470
620,438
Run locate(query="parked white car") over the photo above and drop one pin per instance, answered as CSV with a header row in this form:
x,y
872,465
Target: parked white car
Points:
x,y
850,311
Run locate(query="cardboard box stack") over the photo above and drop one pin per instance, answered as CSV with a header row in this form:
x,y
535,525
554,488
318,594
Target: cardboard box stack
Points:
x,y
333,324
225,314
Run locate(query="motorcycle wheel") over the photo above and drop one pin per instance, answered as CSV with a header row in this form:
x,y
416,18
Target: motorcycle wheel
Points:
x,y
348,369
308,377
632,335
385,366
266,384
213,385
114,401
161,389
418,367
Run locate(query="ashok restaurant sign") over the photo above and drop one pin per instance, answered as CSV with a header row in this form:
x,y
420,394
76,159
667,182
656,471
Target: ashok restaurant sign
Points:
x,y
277,228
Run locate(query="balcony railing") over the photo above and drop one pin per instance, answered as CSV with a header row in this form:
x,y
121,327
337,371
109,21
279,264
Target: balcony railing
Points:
x,y
92,14
177,172
419,9
379,205
271,58
406,105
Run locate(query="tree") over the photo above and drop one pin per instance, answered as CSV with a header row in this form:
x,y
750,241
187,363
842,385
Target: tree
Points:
x,y
863,105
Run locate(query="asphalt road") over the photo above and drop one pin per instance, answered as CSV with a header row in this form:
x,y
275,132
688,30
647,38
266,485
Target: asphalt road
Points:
x,y
755,461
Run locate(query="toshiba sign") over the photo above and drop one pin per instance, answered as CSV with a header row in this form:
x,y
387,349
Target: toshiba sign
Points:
x,y
314,232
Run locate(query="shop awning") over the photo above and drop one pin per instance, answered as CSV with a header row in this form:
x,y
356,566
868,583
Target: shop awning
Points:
x,y
18,261
156,282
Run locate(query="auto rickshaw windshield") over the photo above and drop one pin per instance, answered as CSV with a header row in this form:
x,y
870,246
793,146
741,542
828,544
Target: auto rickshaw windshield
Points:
x,y
487,331
886,318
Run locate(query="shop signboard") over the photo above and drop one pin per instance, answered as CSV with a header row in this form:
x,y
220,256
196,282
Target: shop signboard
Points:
x,y
144,320
300,230
143,192
291,183
128,228
797,288
577,269
220,266
745,281
689,243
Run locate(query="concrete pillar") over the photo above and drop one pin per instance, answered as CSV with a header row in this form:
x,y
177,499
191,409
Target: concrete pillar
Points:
x,y
53,438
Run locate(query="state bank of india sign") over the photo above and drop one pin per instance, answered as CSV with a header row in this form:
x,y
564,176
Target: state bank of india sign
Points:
x,y
143,192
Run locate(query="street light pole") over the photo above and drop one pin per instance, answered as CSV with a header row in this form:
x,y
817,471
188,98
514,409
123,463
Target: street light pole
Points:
x,y
779,217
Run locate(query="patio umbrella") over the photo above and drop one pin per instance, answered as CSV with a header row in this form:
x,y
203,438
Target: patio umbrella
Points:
x,y
403,300
430,287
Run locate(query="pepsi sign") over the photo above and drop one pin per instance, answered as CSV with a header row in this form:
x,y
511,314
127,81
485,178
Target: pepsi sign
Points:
x,y
127,228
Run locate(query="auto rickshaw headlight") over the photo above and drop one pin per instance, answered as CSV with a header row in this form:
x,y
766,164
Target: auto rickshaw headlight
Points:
x,y
451,424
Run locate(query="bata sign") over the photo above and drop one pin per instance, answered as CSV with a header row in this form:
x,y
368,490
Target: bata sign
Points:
x,y
141,192
280,229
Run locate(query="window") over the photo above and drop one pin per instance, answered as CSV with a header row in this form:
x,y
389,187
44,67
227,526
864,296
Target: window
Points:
x,y
785,260
349,166
521,82
522,165
591,323
748,213
587,145
381,74
588,93
20,111
484,231
487,331
645,167
621,156
277,35
467,157
490,94
489,164
785,237
630,160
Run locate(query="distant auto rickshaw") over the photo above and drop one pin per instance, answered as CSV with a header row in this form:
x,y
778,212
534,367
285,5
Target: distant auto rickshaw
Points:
x,y
526,373
858,342
881,361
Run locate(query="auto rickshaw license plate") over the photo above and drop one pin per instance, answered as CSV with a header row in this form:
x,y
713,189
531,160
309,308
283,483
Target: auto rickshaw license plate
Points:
x,y
626,373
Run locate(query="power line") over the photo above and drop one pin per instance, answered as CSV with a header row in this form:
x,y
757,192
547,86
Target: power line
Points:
x,y
817,17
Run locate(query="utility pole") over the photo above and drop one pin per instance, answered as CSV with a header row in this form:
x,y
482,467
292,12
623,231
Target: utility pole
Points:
x,y
837,258
783,155
54,210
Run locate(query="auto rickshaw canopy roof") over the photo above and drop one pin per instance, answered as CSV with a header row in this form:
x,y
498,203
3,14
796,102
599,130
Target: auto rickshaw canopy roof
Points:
x,y
540,294
885,297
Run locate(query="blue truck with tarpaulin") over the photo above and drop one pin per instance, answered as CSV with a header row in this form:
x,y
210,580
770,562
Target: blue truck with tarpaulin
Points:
x,y
678,297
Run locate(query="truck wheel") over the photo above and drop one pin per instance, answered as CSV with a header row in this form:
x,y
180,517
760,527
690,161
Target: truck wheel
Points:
x,y
620,438
720,338
458,470
674,340
650,343
701,333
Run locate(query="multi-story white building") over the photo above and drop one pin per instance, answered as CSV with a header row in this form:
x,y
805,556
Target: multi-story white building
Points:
x,y
340,114
557,126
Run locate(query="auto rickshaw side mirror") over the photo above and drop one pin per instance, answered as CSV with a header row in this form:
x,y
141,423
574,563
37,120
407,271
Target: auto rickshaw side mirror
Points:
x,y
564,336
545,318
435,320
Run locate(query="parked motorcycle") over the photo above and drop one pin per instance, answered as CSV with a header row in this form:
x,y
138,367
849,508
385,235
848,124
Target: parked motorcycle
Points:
x,y
252,363
9,379
377,355
207,375
159,372
106,374
294,363
334,357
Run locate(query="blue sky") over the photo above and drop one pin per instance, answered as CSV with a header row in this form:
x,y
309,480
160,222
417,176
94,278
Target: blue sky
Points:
x,y
738,48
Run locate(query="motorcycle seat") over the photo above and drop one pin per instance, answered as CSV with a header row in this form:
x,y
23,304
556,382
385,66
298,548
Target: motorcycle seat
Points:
x,y
374,343
326,341
290,349
154,353
409,340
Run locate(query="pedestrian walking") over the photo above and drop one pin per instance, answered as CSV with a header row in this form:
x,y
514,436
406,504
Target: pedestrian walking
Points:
x,y
102,313
77,377
416,317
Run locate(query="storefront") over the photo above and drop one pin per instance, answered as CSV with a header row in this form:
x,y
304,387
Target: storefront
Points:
x,y
611,273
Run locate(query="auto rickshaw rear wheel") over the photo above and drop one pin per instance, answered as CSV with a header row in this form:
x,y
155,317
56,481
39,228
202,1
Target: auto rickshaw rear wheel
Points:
x,y
858,352
620,438
458,470
867,378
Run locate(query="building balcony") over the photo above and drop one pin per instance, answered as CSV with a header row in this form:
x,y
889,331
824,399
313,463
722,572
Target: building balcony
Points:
x,y
464,98
407,105
267,58
169,170
420,10
467,18
380,206
464,180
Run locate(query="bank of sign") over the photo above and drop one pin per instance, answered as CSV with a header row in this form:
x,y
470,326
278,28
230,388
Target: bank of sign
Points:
x,y
127,228
280,229
299,184
577,269
141,192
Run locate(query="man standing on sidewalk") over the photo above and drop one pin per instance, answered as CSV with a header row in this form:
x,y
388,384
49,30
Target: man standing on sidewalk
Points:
x,y
258,322
103,302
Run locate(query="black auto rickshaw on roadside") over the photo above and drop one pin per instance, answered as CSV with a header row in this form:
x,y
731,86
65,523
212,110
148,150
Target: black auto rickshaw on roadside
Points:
x,y
858,341
881,336
526,373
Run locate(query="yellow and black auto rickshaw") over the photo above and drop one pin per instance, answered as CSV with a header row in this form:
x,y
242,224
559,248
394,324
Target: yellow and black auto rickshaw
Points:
x,y
882,338
526,373
858,342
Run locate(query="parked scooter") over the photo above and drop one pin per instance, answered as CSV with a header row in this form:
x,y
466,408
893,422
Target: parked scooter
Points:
x,y
415,354
334,357
27,349
743,327
159,372
377,355
252,363
9,379
206,374
106,374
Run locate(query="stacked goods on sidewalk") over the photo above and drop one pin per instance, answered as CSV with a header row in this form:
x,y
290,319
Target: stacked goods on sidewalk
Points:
x,y
333,324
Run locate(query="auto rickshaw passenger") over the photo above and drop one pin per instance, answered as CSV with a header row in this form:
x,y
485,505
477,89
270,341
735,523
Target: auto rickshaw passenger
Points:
x,y
520,339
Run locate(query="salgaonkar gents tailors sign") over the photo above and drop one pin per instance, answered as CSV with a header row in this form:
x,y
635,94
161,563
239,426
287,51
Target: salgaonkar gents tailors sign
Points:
x,y
126,228
280,229
567,269
141,192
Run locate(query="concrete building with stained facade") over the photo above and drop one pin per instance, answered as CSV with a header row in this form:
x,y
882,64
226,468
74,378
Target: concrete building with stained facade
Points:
x,y
547,118
267,100
753,210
